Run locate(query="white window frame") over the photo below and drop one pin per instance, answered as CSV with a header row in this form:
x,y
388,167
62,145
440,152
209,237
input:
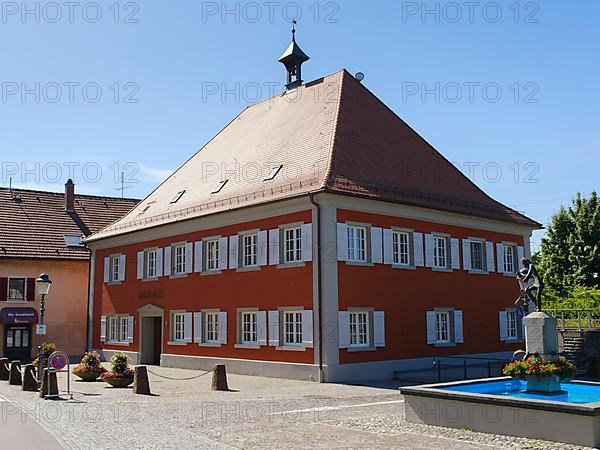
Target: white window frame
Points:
x,y
509,258
292,244
117,329
249,250
360,329
150,255
292,329
482,245
399,256
512,325
178,327
211,255
211,327
15,299
178,259
357,243
114,260
248,328
439,327
440,253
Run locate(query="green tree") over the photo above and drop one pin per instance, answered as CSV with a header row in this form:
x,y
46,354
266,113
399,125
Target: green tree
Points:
x,y
570,252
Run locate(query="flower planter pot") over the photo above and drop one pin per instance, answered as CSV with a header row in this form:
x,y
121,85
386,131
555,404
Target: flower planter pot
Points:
x,y
546,384
87,376
120,382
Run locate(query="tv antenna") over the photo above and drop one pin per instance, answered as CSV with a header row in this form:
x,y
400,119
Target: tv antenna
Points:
x,y
123,185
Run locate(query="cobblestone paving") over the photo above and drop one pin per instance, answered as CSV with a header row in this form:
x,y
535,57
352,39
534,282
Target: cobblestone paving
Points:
x,y
258,413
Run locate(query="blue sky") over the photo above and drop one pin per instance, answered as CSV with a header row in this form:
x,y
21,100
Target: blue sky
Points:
x,y
505,90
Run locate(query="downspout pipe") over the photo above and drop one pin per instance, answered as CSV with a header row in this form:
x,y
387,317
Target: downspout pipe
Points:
x,y
319,285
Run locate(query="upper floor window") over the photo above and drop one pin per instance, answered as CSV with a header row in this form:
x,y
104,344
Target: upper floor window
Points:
x,y
292,331
442,324
401,248
293,244
249,250
179,256
211,327
150,266
249,335
477,255
440,252
359,329
212,254
357,243
115,262
178,327
509,259
16,289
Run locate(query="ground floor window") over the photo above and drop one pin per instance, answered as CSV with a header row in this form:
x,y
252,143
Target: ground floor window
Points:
x,y
292,321
249,335
442,322
178,327
117,329
211,327
359,329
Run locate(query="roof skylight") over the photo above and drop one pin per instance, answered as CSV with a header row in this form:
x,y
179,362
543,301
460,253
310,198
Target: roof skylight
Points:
x,y
177,196
273,172
73,241
220,186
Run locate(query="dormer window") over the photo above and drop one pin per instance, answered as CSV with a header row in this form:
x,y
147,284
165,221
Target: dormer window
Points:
x,y
73,241
177,197
273,172
219,187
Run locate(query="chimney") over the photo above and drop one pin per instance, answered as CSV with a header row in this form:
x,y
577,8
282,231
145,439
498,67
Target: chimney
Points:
x,y
69,196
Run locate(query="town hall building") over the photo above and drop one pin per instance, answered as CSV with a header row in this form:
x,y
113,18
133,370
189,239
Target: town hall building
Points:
x,y
317,236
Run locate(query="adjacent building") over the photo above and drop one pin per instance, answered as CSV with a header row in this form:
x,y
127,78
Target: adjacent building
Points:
x,y
317,236
42,232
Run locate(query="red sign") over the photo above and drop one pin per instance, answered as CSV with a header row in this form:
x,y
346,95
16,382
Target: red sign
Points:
x,y
58,361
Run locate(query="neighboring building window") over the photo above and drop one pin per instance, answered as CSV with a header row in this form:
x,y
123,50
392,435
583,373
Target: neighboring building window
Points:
x,y
249,250
440,252
359,329
249,327
401,248
357,243
509,258
212,254
179,259
117,329
178,327
16,289
442,325
477,255
150,266
511,324
293,244
211,327
292,321
114,268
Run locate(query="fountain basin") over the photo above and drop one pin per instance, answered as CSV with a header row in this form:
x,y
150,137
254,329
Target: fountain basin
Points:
x,y
504,406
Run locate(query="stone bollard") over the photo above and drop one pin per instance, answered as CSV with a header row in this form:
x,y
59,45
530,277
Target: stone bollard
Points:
x,y
219,378
141,384
52,389
4,370
30,382
15,377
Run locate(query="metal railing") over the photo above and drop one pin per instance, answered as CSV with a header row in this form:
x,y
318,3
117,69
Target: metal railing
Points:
x,y
580,319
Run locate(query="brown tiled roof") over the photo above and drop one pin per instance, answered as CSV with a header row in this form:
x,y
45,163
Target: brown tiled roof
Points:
x,y
33,224
330,135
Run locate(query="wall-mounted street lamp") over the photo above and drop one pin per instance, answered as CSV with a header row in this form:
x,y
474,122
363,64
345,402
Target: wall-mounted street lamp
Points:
x,y
44,284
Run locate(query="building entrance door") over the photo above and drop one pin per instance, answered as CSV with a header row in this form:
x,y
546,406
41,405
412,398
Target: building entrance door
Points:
x,y
17,342
151,340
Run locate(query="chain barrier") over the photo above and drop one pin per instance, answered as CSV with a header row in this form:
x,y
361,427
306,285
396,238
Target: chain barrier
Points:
x,y
178,379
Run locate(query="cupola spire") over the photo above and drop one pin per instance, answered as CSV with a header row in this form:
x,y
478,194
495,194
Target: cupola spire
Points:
x,y
292,59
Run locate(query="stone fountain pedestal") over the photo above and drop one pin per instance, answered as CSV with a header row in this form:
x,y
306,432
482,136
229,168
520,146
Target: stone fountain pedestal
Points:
x,y
541,337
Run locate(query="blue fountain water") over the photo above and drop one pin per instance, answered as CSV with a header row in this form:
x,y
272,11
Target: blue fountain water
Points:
x,y
570,392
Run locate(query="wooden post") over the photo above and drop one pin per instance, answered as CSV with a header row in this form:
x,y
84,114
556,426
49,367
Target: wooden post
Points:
x,y
4,370
49,386
30,382
219,379
15,377
141,384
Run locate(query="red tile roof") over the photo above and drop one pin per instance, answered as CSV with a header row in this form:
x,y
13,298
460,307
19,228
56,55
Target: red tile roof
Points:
x,y
33,224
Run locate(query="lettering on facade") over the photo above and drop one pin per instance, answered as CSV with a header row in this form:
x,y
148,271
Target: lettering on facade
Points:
x,y
152,293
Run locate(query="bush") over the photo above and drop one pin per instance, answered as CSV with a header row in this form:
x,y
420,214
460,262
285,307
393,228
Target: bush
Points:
x,y
564,369
119,367
47,349
90,363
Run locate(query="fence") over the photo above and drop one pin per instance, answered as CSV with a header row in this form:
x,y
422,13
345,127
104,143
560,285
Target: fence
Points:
x,y
581,319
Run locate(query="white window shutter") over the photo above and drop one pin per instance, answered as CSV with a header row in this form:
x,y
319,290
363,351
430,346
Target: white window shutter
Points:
x,y
140,265
388,247
489,254
379,328
500,256
198,327
458,327
342,242
223,253
198,256
129,328
159,262
189,257
454,254
233,252
262,248
106,269
187,326
307,242
418,249
502,316
274,328
122,262
223,327
103,329
520,256
274,247
466,250
376,245
307,328
344,329
429,250
431,327
167,261
261,327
